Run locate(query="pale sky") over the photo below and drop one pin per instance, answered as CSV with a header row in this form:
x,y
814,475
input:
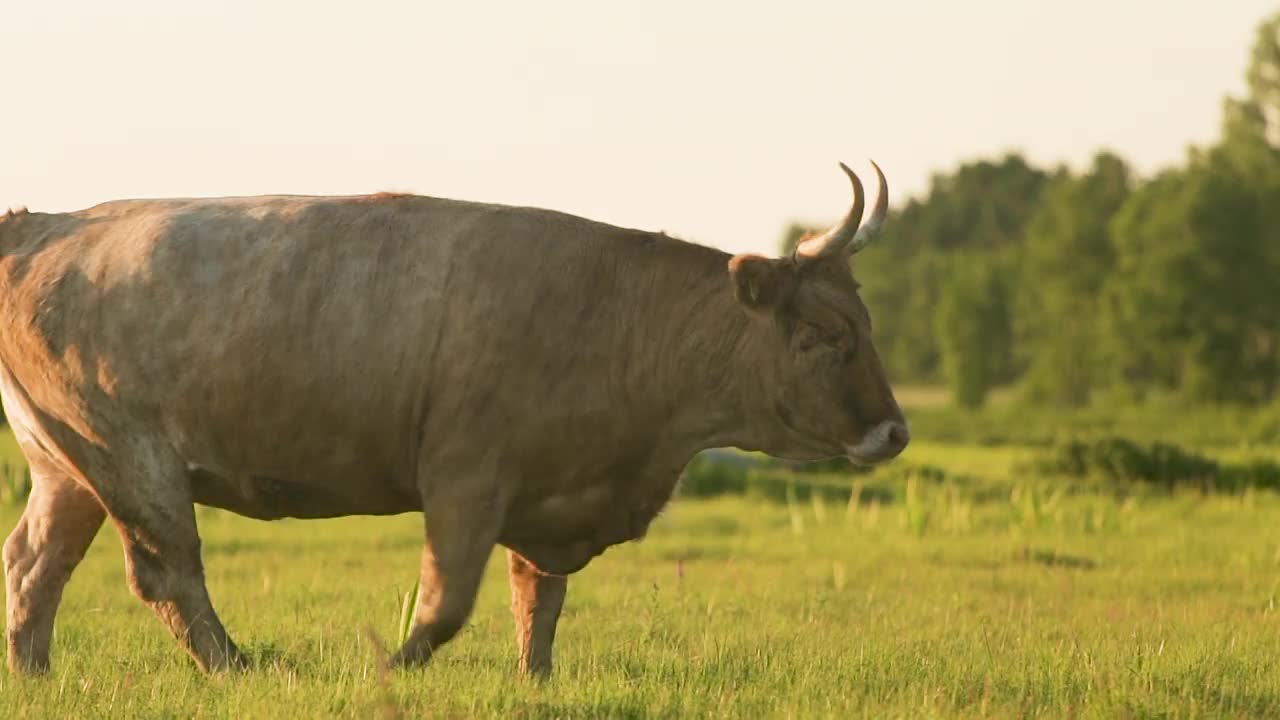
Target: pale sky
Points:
x,y
717,122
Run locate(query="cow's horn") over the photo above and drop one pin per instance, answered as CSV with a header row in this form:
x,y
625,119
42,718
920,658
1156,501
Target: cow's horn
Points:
x,y
837,239
871,227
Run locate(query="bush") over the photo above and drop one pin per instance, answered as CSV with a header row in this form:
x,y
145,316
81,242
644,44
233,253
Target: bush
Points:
x,y
706,477
840,465
727,474
1120,459
1197,426
15,483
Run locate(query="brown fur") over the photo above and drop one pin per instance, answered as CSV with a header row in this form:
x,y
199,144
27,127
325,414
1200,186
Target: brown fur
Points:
x,y
383,196
520,376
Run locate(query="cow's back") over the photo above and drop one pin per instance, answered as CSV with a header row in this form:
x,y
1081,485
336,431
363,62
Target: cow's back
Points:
x,y
275,336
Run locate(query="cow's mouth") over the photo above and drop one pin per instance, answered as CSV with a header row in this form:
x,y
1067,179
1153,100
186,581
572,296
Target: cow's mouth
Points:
x,y
883,442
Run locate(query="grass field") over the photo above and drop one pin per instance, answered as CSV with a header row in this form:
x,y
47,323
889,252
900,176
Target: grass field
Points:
x,y
998,596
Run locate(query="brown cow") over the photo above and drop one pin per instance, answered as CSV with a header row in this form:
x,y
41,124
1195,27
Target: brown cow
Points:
x,y
521,377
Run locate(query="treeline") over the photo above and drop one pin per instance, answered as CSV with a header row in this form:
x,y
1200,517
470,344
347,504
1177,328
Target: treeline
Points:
x,y
1097,286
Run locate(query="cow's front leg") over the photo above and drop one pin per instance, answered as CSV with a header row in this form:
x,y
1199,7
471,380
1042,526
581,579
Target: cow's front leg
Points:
x,y
462,525
536,600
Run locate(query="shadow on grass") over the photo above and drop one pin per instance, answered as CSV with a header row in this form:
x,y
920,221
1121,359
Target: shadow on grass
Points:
x,y
1051,558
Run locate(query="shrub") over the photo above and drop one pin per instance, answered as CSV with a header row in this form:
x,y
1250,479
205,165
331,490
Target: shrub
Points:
x,y
15,483
727,474
1120,459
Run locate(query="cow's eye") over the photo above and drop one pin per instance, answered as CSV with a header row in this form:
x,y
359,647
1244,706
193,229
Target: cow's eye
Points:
x,y
810,336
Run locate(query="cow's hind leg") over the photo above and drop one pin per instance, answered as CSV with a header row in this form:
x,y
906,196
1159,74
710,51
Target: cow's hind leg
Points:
x,y
154,514
461,531
57,526
536,600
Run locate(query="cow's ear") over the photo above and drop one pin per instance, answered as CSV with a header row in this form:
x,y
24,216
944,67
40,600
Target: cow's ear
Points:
x,y
759,283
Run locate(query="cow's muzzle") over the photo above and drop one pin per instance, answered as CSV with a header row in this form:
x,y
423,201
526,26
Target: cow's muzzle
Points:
x,y
884,441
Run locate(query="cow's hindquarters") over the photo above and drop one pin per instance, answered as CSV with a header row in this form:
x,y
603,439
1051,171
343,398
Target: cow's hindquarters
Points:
x,y
145,489
141,483
57,526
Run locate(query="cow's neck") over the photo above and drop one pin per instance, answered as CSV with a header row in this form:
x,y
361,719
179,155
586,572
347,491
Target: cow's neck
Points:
x,y
691,376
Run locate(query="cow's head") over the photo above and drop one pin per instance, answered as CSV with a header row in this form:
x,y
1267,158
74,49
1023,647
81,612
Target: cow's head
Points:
x,y
822,391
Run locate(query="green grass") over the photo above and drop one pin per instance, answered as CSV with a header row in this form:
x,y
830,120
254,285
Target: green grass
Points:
x,y
989,594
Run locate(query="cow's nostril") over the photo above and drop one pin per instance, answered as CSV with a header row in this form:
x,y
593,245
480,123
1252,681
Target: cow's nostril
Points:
x,y
899,436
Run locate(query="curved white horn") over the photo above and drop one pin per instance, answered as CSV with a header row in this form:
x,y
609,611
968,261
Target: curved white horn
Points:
x,y
838,238
871,227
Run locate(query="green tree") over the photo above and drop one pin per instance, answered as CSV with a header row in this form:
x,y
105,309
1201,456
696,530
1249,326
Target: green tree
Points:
x,y
1067,259
983,206
1263,77
972,326
1193,305
1193,302
1146,300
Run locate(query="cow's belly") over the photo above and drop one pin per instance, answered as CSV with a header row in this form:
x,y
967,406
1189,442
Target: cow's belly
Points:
x,y
318,464
270,498
560,533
